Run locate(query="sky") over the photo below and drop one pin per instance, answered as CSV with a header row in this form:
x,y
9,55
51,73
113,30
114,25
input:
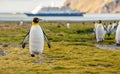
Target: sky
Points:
x,y
21,6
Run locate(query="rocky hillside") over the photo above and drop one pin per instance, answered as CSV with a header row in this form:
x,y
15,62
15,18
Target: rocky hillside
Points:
x,y
94,6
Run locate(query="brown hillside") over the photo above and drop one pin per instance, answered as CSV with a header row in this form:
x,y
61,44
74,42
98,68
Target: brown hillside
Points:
x,y
94,6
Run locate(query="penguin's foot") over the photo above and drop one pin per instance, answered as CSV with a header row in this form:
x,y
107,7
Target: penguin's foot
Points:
x,y
118,44
32,55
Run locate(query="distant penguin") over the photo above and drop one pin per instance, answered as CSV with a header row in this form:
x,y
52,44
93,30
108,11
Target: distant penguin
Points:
x,y
68,25
114,27
117,38
94,28
109,29
99,32
36,37
21,23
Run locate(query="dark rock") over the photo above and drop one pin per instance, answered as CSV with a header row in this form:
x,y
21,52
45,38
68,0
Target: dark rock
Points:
x,y
5,45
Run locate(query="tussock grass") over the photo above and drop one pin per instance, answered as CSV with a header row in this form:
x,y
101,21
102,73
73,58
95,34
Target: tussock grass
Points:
x,y
71,52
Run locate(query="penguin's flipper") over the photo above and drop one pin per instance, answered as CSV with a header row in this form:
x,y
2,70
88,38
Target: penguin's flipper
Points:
x,y
115,27
48,42
105,28
25,40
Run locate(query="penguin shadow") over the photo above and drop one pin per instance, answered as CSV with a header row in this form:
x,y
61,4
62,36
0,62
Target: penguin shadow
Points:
x,y
118,44
108,46
43,60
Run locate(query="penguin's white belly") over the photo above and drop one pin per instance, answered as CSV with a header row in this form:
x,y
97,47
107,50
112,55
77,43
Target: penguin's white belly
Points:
x,y
100,32
36,41
118,34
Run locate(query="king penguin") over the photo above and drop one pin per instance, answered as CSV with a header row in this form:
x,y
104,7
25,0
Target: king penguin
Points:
x,y
99,31
36,37
117,38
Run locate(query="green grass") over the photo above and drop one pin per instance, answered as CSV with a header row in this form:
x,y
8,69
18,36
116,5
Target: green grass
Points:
x,y
72,51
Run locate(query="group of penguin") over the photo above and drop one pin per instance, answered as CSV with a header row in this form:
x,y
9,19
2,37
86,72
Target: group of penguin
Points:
x,y
101,29
36,35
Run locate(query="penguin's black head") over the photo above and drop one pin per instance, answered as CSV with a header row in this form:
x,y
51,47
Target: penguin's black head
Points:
x,y
108,34
100,21
36,20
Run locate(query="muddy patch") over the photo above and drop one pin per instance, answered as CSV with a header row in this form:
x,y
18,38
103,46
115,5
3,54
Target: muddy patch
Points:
x,y
5,45
108,47
15,45
2,53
